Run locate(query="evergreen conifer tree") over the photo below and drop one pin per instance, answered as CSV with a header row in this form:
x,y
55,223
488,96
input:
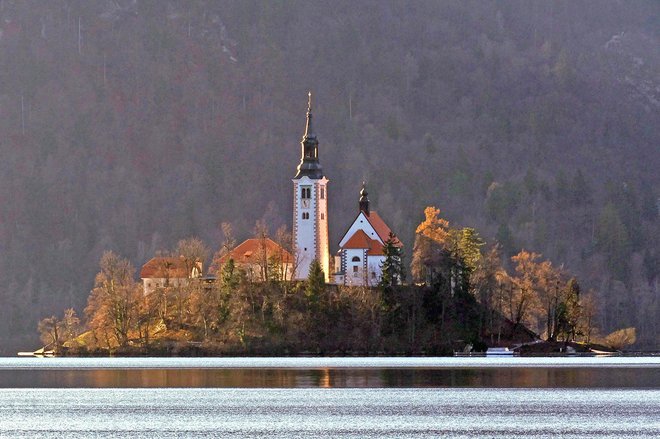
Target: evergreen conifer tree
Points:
x,y
315,281
229,276
393,271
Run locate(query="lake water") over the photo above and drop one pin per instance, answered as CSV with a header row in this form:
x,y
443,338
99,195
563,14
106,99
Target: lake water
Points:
x,y
330,397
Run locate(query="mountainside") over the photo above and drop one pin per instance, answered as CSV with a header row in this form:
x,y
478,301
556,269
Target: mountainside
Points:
x,y
128,125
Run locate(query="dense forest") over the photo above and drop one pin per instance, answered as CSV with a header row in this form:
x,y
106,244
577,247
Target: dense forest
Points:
x,y
127,125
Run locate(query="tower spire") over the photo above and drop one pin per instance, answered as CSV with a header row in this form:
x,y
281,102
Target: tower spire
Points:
x,y
309,161
310,205
364,200
309,132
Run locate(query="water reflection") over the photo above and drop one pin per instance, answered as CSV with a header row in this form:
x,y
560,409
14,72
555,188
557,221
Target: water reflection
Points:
x,y
329,413
522,377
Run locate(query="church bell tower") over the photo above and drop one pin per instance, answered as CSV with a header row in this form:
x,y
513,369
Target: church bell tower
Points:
x,y
310,205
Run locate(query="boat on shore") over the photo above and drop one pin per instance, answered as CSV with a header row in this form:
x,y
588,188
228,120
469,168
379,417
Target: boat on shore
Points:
x,y
491,352
500,352
38,353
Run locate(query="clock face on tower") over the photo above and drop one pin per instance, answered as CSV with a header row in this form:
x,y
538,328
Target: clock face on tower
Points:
x,y
305,203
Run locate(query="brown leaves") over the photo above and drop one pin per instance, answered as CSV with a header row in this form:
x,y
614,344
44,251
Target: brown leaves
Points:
x,y
434,227
113,303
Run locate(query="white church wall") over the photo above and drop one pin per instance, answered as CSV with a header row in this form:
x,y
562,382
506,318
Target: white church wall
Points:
x,y
375,264
360,223
304,230
311,225
323,245
355,273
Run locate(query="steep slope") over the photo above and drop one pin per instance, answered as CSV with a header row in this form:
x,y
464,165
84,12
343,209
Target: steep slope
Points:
x,y
127,125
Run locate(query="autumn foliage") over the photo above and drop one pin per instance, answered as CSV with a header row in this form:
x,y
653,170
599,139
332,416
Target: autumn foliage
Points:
x,y
461,295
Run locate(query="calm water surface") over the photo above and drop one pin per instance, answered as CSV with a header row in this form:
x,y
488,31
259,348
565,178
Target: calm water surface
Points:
x,y
609,372
331,413
333,398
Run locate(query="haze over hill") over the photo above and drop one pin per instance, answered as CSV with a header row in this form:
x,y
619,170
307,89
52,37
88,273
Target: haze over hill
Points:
x,y
128,125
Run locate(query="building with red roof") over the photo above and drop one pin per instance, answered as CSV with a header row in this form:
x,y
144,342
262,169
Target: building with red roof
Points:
x,y
360,256
262,259
168,272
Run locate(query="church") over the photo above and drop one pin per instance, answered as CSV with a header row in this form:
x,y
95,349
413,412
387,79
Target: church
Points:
x,y
360,257
310,206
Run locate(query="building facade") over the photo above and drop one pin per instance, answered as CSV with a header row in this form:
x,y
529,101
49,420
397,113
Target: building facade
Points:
x,y
261,260
163,272
360,257
310,206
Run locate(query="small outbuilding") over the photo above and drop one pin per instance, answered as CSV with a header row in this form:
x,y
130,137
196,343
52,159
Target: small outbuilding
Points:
x,y
168,272
262,259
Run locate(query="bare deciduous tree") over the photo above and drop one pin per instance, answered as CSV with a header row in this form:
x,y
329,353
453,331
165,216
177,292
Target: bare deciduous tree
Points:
x,y
112,305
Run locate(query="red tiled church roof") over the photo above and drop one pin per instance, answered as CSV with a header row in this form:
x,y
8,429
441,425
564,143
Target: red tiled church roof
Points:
x,y
381,228
360,240
375,248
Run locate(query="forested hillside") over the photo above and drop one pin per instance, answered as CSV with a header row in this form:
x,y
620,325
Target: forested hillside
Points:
x,y
126,125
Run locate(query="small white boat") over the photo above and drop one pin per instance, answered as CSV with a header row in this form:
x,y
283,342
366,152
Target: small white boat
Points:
x,y
492,352
602,353
38,353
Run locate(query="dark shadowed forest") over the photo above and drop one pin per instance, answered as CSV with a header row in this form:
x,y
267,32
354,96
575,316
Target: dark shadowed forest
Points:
x,y
127,125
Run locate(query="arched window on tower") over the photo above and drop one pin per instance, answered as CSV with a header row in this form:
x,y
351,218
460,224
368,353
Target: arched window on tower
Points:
x,y
355,259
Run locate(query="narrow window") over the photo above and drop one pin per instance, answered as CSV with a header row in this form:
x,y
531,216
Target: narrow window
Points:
x,y
356,271
322,215
306,193
373,275
322,193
